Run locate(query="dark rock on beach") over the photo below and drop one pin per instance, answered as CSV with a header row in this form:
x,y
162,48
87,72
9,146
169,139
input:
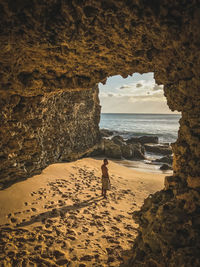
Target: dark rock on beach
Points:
x,y
111,149
167,159
106,133
165,167
143,140
127,151
158,149
133,151
117,148
138,151
118,140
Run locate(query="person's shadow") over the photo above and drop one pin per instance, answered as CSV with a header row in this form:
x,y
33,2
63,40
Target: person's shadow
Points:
x,y
59,211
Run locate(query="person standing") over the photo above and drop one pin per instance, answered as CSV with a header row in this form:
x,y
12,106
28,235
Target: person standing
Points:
x,y
105,178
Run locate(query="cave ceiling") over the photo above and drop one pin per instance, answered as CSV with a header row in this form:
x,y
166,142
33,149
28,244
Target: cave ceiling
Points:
x,y
56,45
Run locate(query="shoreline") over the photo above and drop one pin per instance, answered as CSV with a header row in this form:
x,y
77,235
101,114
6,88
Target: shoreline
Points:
x,y
143,166
59,216
151,155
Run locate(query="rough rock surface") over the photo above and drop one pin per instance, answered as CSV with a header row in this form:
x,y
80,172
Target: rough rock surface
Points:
x,y
138,151
106,132
37,131
158,149
111,149
143,140
166,236
118,140
53,46
165,166
166,159
116,148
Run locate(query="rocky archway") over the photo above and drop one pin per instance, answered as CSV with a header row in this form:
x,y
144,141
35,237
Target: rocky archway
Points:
x,y
53,52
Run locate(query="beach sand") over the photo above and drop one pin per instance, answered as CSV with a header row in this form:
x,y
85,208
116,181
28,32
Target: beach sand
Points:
x,y
58,218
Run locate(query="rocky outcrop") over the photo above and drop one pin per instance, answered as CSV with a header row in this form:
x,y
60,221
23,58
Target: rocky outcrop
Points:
x,y
166,236
51,47
166,159
143,140
165,167
37,131
116,148
118,140
111,149
106,132
158,149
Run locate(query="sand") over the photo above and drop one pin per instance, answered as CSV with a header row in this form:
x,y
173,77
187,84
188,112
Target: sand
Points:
x,y
58,218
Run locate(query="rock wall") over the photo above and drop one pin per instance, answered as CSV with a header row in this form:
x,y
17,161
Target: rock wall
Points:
x,y
40,130
56,46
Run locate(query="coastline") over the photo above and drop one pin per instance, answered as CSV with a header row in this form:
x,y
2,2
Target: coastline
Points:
x,y
143,166
59,217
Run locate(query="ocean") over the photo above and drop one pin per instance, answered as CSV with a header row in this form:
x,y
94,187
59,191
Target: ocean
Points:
x,y
165,126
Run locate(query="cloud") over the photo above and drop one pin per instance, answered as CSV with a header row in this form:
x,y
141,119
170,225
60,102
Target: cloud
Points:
x,y
126,86
133,104
157,87
138,85
110,95
159,97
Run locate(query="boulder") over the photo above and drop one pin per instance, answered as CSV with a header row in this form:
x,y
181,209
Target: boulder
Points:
x,y
143,140
118,140
148,139
158,149
112,150
97,150
133,151
105,132
165,167
137,151
167,159
127,151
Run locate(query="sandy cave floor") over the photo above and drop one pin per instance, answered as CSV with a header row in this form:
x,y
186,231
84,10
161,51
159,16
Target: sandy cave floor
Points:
x,y
58,218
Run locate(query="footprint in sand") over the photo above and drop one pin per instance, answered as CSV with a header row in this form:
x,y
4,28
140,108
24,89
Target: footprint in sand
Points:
x,y
115,228
33,209
13,220
86,258
91,234
85,229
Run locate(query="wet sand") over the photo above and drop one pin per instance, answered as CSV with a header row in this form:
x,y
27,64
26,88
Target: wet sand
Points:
x,y
58,218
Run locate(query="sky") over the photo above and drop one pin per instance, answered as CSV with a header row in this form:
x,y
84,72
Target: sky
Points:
x,y
138,93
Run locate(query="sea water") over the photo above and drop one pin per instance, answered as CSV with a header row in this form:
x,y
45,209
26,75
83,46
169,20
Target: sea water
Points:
x,y
165,126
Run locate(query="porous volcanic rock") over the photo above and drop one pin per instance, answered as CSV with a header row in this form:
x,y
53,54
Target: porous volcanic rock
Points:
x,y
46,129
166,233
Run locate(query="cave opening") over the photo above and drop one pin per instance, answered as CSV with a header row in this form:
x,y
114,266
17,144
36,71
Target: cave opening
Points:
x,y
57,52
135,108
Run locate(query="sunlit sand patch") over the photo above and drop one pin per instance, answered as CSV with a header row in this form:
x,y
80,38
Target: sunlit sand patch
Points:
x,y
59,218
